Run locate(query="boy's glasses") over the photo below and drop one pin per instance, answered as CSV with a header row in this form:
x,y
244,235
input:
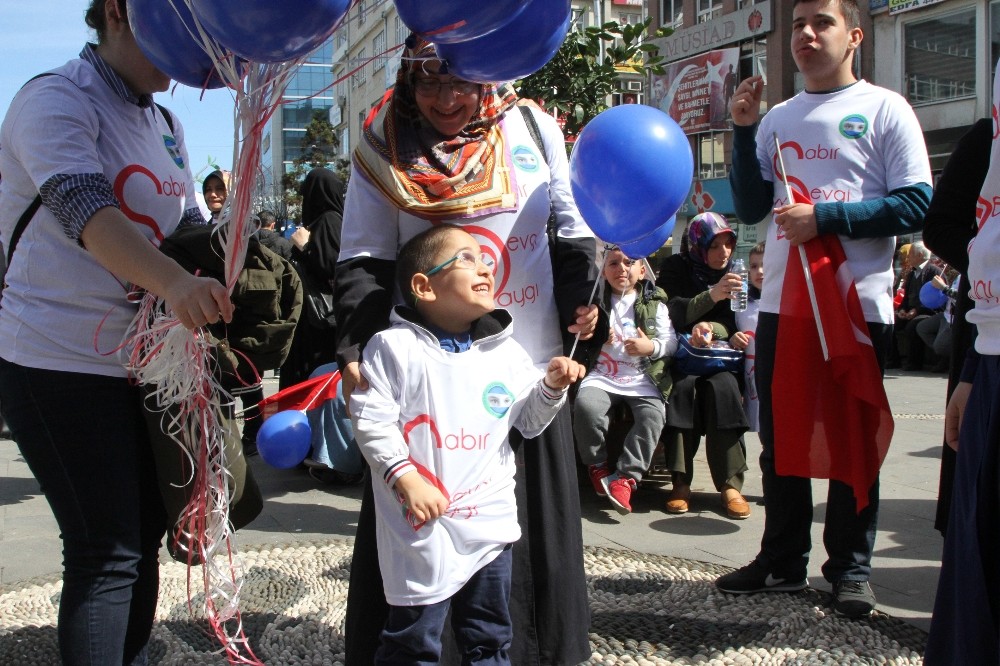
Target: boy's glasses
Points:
x,y
431,87
465,259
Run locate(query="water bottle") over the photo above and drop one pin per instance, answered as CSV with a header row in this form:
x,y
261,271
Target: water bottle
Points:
x,y
738,301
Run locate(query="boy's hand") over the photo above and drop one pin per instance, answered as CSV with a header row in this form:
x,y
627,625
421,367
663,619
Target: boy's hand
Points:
x,y
701,334
639,346
797,222
562,372
424,500
745,105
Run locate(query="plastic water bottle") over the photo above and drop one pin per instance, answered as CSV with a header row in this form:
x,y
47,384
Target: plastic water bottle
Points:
x,y
739,300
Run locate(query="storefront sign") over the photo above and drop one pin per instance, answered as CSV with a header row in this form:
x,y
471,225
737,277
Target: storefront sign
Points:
x,y
696,91
746,23
900,6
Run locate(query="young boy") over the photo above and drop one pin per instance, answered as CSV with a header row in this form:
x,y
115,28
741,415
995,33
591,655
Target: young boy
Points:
x,y
746,322
447,382
632,368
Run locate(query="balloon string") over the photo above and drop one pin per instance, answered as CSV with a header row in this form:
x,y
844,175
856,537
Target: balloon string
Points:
x,y
593,292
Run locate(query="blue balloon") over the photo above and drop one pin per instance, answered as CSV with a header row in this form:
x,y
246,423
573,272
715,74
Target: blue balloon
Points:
x,y
641,248
268,30
164,35
527,42
630,170
450,21
931,297
284,439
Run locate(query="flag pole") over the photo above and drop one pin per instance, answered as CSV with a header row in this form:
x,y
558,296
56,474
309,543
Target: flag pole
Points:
x,y
805,261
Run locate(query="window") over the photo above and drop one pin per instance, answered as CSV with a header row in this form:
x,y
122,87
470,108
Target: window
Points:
x,y
378,49
579,19
753,61
708,10
361,61
994,37
308,80
711,158
672,13
939,57
362,11
747,3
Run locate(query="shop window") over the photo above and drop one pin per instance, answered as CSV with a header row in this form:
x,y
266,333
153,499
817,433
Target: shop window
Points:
x,y
940,57
711,158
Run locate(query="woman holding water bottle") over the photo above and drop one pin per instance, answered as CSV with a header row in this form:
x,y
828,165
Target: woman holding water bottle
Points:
x,y
701,284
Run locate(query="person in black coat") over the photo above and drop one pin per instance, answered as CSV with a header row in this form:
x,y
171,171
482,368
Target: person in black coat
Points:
x,y
699,283
315,253
949,225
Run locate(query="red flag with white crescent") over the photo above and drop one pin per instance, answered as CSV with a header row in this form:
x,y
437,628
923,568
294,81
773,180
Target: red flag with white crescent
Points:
x,y
831,415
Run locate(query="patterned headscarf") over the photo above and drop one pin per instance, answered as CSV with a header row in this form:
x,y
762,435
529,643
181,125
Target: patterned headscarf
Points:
x,y
702,230
432,176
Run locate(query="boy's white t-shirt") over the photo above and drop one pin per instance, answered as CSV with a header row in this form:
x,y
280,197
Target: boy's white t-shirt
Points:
x,y
448,416
852,145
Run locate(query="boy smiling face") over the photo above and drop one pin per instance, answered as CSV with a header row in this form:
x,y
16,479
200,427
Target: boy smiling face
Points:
x,y
459,289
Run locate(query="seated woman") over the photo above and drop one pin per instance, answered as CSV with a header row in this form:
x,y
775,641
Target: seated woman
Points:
x,y
699,285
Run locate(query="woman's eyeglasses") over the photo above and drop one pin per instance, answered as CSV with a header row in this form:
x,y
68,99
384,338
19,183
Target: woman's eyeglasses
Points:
x,y
465,259
431,87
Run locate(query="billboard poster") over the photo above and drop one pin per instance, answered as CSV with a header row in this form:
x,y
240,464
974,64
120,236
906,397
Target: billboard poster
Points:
x,y
696,91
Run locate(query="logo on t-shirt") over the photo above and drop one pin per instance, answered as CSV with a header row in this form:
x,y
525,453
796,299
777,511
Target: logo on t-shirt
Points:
x,y
173,150
854,126
497,399
525,159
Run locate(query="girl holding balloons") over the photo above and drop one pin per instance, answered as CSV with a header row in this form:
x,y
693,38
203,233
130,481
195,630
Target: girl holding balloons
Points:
x,y
89,142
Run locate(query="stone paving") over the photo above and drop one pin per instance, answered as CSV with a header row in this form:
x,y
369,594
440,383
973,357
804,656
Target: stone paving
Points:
x,y
298,509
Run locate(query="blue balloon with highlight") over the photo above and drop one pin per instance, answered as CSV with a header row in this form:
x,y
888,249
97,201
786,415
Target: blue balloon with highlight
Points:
x,y
630,170
931,297
268,31
450,21
650,243
528,41
164,31
284,439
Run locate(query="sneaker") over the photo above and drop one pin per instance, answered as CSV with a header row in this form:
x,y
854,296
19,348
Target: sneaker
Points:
x,y
755,578
853,598
597,473
619,490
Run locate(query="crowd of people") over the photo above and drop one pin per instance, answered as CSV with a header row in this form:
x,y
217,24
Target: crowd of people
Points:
x,y
543,353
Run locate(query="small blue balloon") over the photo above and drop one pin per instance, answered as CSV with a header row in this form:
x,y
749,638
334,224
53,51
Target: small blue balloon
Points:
x,y
284,439
931,297
163,30
450,21
269,31
630,170
527,42
650,243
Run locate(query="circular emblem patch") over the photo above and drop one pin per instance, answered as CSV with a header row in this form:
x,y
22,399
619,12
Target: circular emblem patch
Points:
x,y
854,126
497,399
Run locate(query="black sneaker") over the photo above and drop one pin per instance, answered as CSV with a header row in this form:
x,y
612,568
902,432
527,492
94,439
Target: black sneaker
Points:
x,y
755,578
853,598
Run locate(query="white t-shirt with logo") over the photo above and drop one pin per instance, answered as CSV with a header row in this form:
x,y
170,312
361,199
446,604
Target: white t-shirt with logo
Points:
x,y
80,126
516,239
856,144
984,249
447,416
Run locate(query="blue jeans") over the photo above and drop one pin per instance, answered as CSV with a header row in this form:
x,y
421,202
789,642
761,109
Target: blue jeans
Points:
x,y
479,617
849,537
85,440
333,442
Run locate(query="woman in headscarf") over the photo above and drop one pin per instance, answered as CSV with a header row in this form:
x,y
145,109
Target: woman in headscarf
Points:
x,y
315,251
699,283
437,149
215,190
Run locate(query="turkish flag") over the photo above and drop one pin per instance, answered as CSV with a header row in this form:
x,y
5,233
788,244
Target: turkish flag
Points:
x,y
303,396
831,414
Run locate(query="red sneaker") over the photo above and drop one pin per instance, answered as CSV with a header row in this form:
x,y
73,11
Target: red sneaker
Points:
x,y
598,472
620,491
